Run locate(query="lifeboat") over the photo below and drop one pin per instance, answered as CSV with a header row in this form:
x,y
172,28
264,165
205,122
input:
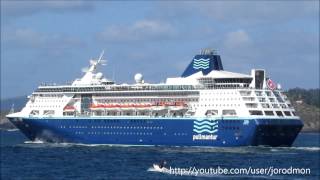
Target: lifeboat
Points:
x,y
126,106
69,108
108,106
143,106
159,105
115,105
159,108
179,105
97,106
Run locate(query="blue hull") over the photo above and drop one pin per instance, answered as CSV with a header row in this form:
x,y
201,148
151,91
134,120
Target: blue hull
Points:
x,y
162,131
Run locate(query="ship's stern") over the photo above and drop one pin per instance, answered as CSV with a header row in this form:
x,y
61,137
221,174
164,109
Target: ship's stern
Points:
x,y
276,132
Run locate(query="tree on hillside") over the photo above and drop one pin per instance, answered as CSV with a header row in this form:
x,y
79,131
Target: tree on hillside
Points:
x,y
309,96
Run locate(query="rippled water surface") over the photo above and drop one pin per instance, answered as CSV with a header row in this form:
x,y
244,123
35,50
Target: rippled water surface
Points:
x,y
21,159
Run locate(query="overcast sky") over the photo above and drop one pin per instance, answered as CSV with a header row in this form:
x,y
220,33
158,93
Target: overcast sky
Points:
x,y
52,41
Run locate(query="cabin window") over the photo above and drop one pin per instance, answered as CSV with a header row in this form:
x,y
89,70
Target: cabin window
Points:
x,y
251,105
48,112
287,113
262,99
245,93
229,112
257,113
248,98
34,112
68,113
271,100
279,113
212,112
283,106
269,113
268,93
258,93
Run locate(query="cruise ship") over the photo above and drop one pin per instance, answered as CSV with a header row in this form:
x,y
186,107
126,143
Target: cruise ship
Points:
x,y
205,106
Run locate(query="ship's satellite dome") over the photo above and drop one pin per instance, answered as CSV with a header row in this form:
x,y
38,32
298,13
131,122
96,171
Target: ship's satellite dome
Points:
x,y
104,80
99,75
279,86
138,78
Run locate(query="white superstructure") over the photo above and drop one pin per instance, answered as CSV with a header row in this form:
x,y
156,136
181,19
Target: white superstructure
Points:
x,y
214,93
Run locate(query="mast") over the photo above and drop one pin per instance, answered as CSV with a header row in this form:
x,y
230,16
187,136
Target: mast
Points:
x,y
94,63
89,76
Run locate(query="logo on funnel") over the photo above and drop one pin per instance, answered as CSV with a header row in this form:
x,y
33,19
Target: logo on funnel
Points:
x,y
201,63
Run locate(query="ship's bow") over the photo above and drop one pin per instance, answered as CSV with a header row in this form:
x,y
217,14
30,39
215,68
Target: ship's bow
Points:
x,y
19,123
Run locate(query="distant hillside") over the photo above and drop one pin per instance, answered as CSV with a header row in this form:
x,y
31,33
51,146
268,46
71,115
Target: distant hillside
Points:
x,y
4,122
307,96
18,102
307,104
310,115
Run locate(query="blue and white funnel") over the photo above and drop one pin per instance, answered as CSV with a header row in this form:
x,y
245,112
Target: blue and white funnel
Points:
x,y
206,62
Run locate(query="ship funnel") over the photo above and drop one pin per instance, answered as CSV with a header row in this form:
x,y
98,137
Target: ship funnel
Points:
x,y
207,61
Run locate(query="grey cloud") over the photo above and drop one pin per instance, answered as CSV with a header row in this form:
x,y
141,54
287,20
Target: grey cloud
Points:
x,y
29,39
272,47
237,39
285,55
13,9
242,12
256,11
138,31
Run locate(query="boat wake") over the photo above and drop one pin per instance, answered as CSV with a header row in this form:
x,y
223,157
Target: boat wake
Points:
x,y
173,149
41,143
238,150
156,168
301,148
34,142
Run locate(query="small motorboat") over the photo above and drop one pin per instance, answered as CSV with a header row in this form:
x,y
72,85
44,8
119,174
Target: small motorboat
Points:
x,y
156,167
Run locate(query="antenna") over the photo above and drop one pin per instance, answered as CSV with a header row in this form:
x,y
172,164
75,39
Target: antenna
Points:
x,y
100,57
94,63
100,60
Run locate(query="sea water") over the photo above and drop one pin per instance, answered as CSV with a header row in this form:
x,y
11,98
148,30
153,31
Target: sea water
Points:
x,y
23,159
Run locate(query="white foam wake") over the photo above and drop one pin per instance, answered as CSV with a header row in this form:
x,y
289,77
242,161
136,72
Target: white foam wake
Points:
x,y
303,148
37,141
